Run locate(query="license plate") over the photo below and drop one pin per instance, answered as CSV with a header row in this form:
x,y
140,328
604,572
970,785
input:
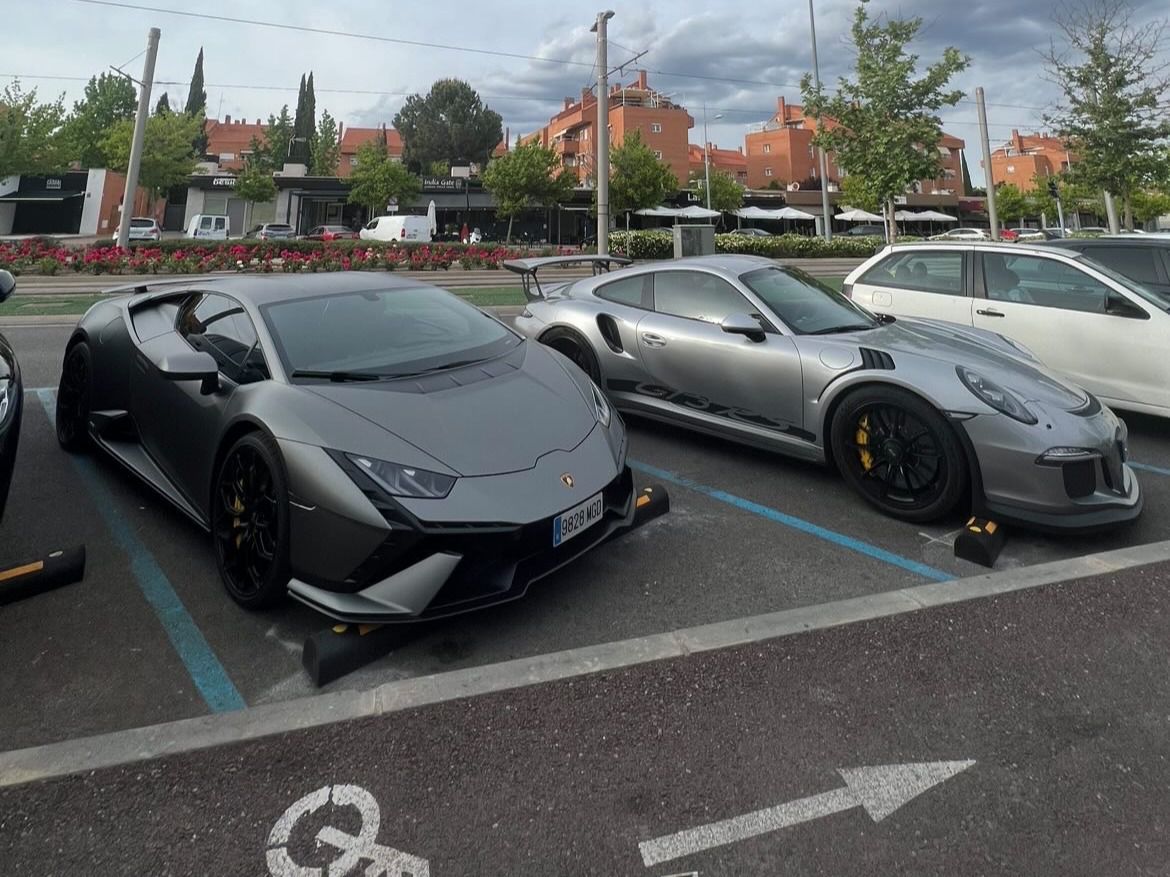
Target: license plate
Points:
x,y
577,519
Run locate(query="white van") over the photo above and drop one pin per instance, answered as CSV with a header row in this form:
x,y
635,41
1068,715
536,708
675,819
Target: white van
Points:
x,y
397,228
205,225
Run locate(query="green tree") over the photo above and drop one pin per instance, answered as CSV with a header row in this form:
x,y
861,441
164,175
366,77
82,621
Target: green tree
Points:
x,y
1113,116
888,127
197,105
440,168
528,176
856,192
30,133
726,193
1011,204
1150,204
326,147
272,152
377,180
168,157
254,185
164,104
109,98
637,178
450,124
304,122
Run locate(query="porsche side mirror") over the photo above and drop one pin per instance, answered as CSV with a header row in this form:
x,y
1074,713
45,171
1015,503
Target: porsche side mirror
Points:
x,y
742,324
1118,306
7,284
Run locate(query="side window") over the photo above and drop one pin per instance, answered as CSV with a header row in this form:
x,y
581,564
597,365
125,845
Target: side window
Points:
x,y
1136,263
1049,283
372,224
220,223
697,295
939,272
205,223
219,326
632,291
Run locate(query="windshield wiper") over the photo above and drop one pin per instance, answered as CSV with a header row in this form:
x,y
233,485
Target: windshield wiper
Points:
x,y
853,327
337,377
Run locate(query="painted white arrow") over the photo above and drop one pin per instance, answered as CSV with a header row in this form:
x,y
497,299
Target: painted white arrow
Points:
x,y
880,789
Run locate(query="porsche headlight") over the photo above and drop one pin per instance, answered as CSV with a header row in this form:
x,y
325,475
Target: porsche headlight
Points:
x,y
4,403
409,481
992,394
601,405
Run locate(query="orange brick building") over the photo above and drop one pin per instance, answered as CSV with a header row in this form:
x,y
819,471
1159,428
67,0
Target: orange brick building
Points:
x,y
731,161
781,152
230,141
663,124
352,139
1024,158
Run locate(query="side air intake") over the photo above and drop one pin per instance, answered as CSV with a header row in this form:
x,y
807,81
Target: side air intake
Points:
x,y
877,360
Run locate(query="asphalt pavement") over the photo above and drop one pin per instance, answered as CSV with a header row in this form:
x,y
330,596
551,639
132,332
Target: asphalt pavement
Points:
x,y
1024,733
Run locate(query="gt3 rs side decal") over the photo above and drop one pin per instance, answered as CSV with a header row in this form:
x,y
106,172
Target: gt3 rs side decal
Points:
x,y
695,402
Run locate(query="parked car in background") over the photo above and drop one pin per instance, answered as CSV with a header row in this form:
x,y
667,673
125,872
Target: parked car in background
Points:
x,y
864,230
11,401
331,233
272,231
1028,234
752,232
1144,258
397,228
1079,317
745,349
1008,234
209,227
1090,229
963,234
142,228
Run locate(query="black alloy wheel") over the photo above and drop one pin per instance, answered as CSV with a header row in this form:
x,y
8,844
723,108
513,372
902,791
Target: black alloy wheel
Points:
x,y
577,349
899,454
74,395
249,522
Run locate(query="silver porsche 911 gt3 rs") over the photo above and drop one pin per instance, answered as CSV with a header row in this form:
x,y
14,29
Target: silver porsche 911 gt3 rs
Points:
x,y
919,416
376,447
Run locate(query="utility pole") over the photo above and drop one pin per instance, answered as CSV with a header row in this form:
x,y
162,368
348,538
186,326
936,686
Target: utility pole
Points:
x,y
988,177
826,214
602,138
139,137
1111,213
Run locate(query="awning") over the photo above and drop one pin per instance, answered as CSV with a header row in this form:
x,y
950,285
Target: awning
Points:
x,y
778,213
41,196
935,216
459,200
692,212
858,216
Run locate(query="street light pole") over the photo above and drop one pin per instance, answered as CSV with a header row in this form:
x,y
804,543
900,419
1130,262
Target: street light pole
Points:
x,y
602,138
135,163
827,218
707,155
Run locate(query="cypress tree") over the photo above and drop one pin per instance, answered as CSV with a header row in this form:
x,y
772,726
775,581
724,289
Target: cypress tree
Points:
x,y
163,107
196,96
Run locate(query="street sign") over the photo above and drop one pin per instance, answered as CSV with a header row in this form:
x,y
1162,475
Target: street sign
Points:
x,y
880,789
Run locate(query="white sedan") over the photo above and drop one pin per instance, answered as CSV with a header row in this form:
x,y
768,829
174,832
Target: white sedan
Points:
x,y
963,234
142,228
1109,334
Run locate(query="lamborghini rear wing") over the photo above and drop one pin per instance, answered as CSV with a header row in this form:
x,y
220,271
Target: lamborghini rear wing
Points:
x,y
528,268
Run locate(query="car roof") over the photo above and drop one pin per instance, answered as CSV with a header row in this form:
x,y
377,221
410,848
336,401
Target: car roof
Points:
x,y
1127,240
993,246
729,263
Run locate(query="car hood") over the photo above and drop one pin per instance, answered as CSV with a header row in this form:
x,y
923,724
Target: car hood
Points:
x,y
491,418
984,352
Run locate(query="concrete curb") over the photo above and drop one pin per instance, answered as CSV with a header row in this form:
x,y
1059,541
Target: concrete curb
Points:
x,y
188,735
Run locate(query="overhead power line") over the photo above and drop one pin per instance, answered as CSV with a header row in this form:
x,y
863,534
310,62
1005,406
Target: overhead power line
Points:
x,y
569,62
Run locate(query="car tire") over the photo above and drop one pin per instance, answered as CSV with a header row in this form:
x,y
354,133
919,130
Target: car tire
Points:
x,y
899,453
250,522
576,349
75,398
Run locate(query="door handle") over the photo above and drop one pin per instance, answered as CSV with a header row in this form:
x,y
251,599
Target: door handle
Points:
x,y
989,313
652,340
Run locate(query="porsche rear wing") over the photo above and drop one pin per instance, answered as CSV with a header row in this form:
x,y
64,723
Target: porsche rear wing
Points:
x,y
528,268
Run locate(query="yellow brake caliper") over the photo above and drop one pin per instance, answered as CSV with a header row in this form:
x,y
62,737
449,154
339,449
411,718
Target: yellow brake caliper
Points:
x,y
237,509
863,441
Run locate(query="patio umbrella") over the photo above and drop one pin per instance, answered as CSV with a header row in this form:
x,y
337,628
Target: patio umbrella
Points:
x,y
431,222
792,213
697,212
657,211
859,216
935,216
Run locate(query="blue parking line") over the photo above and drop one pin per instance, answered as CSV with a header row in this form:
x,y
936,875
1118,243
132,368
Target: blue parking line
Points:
x,y
797,523
208,674
1144,467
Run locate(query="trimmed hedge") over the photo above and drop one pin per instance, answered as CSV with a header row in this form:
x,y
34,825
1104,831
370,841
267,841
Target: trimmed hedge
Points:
x,y
660,245
47,256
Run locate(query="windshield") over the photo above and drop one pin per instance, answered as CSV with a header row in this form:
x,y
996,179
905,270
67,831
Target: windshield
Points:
x,y
804,304
142,223
384,333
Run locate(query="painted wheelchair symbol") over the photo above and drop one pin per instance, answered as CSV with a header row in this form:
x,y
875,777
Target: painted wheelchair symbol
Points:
x,y
353,850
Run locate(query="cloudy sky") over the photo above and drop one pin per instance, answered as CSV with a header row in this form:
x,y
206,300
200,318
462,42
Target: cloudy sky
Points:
x,y
696,50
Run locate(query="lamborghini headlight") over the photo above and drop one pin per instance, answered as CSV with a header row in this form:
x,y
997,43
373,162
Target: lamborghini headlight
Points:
x,y
399,480
601,406
992,394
